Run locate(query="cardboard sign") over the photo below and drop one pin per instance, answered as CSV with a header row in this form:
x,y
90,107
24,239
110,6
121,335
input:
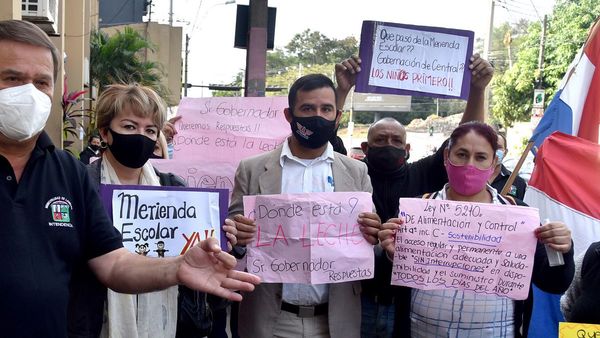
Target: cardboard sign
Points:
x,y
215,134
414,60
309,238
165,221
577,330
479,247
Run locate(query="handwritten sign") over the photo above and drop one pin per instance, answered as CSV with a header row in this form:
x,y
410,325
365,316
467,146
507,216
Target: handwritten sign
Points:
x,y
480,247
414,60
215,134
165,221
577,330
225,128
309,238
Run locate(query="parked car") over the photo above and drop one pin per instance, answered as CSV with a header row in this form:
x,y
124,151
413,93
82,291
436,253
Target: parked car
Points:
x,y
356,153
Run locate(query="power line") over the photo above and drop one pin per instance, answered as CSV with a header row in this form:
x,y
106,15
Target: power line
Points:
x,y
512,8
196,17
516,5
536,11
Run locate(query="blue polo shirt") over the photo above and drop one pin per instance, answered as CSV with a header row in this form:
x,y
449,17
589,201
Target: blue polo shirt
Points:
x,y
51,221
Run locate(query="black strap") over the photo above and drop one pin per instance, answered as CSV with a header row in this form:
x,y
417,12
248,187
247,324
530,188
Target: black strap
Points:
x,y
170,179
305,311
430,195
506,200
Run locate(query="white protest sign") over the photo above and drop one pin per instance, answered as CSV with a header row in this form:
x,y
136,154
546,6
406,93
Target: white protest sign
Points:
x,y
164,221
419,60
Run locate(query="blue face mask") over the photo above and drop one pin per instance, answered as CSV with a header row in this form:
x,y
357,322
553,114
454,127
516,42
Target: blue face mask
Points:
x,y
500,155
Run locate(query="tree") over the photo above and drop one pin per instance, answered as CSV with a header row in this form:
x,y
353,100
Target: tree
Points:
x,y
237,82
311,48
568,27
314,48
116,59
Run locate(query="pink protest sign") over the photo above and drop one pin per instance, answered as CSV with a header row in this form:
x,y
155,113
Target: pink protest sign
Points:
x,y
479,247
309,238
227,128
200,174
215,134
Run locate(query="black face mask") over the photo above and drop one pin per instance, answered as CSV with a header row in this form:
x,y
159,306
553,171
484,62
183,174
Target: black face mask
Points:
x,y
131,150
94,147
386,158
312,132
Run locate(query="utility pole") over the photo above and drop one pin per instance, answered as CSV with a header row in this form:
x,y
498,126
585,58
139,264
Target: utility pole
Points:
x,y
185,66
540,76
256,54
537,110
149,4
171,13
486,52
507,42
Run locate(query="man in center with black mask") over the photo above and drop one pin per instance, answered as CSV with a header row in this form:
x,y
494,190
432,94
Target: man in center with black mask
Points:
x,y
304,163
387,152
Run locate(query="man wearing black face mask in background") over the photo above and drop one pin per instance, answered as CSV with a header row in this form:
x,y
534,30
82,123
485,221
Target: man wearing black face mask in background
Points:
x,y
387,152
304,163
92,150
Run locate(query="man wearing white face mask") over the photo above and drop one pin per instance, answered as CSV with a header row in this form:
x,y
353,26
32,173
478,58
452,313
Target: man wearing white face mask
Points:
x,y
501,173
52,218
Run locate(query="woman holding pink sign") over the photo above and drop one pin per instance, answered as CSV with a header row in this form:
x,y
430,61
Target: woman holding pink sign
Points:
x,y
470,160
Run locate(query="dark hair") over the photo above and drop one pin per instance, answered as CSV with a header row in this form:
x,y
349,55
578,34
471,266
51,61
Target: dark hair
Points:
x,y
28,33
503,135
307,83
479,128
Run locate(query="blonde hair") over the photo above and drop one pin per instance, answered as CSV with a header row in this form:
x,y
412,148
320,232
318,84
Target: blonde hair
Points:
x,y
143,101
161,143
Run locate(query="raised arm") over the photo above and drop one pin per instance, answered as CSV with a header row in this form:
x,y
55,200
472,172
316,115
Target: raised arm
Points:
x,y
482,72
345,75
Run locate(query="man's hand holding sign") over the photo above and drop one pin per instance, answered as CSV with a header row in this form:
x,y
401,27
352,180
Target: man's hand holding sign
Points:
x,y
309,238
414,60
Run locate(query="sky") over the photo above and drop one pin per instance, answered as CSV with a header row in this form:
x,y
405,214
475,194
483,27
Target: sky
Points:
x,y
211,24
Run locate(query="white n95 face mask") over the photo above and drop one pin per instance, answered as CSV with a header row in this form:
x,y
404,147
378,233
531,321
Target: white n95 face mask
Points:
x,y
24,111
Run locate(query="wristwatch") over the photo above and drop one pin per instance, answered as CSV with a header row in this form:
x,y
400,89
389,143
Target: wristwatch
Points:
x,y
238,251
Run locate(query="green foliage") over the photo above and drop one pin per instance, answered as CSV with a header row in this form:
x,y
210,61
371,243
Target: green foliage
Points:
x,y
117,59
307,52
567,30
237,82
504,38
286,78
74,116
314,48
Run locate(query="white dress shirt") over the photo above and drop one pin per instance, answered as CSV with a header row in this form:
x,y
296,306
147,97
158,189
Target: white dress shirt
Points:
x,y
302,176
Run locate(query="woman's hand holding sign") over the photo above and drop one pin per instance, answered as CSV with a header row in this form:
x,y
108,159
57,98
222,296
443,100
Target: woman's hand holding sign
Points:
x,y
482,72
556,234
387,235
